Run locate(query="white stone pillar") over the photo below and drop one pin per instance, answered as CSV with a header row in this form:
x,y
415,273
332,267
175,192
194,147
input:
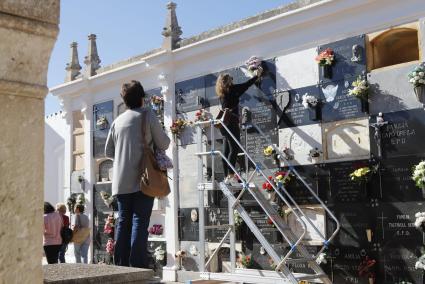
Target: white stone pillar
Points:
x,y
28,31
171,202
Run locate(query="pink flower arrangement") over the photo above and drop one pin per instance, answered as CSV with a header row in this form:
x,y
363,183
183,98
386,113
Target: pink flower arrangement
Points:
x,y
202,115
326,57
109,225
156,230
253,63
110,246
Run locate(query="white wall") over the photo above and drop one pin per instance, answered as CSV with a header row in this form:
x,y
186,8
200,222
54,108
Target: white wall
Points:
x,y
54,154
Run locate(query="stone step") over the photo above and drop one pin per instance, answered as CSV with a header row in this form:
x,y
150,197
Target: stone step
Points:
x,y
77,273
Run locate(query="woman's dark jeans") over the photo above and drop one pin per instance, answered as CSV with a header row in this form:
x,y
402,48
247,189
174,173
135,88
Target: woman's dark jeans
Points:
x,y
131,247
231,149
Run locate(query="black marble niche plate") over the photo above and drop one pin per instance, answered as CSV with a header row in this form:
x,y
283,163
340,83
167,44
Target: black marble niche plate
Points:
x,y
398,264
258,216
100,239
295,114
403,135
396,179
190,94
211,98
355,219
159,110
100,134
338,104
216,216
188,230
264,117
342,265
343,190
99,205
316,177
395,225
344,67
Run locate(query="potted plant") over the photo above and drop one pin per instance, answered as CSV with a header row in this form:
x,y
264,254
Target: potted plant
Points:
x,y
360,89
418,176
178,126
315,154
268,187
417,79
325,59
313,104
245,261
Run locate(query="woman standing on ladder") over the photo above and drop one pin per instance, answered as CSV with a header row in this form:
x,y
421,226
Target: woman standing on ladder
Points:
x,y
229,95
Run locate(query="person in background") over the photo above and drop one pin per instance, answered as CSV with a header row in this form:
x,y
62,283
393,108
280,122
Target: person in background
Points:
x,y
61,209
229,95
52,240
124,146
81,222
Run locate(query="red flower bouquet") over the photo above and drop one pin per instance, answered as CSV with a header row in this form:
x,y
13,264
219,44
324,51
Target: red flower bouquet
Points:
x,y
326,57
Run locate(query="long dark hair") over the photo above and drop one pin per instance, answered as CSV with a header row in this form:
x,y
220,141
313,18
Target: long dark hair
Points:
x,y
48,208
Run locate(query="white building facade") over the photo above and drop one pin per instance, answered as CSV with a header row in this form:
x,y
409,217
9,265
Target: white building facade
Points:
x,y
387,36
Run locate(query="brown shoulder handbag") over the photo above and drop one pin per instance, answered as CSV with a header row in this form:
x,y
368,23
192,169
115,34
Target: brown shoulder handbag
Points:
x,y
153,181
224,116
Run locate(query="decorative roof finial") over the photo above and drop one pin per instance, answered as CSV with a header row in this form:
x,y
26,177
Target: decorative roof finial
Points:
x,y
171,31
73,67
92,59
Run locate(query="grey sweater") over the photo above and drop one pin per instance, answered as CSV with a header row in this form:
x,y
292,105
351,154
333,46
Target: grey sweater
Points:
x,y
124,146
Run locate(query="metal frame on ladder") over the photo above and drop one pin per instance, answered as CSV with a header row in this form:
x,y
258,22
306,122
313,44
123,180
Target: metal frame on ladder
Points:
x,y
282,274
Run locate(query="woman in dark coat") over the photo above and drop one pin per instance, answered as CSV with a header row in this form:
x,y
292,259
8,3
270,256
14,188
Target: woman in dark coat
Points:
x,y
229,95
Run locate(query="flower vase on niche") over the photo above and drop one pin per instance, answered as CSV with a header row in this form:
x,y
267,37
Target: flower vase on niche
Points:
x,y
326,71
364,105
420,93
313,105
315,113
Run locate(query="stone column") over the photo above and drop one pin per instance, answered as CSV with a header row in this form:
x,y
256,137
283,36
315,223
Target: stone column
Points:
x,y
28,31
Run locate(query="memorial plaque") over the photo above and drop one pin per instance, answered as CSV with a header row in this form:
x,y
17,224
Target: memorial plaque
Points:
x,y
349,60
315,177
390,90
338,104
358,225
396,179
301,140
100,239
397,265
345,190
190,94
188,176
215,217
346,140
156,264
296,114
268,230
158,108
104,170
316,215
264,118
103,117
99,204
342,265
76,185
403,135
290,67
395,225
188,229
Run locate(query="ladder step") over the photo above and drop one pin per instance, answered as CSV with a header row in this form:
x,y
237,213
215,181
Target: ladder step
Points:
x,y
300,260
311,277
224,226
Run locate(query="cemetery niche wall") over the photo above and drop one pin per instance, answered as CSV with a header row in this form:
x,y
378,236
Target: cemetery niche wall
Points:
x,y
329,132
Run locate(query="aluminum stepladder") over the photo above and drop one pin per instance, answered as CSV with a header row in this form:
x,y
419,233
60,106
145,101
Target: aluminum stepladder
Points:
x,y
282,273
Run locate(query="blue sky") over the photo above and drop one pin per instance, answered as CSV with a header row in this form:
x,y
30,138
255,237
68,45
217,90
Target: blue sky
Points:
x,y
127,28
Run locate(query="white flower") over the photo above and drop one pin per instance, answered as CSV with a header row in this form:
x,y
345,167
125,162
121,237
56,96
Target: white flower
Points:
x,y
412,80
421,74
417,78
421,81
309,101
321,258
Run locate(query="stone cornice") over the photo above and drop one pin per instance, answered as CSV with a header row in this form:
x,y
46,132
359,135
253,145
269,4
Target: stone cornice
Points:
x,y
27,25
46,11
22,89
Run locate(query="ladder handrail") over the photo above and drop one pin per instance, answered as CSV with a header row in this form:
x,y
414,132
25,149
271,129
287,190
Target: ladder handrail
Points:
x,y
290,166
212,122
